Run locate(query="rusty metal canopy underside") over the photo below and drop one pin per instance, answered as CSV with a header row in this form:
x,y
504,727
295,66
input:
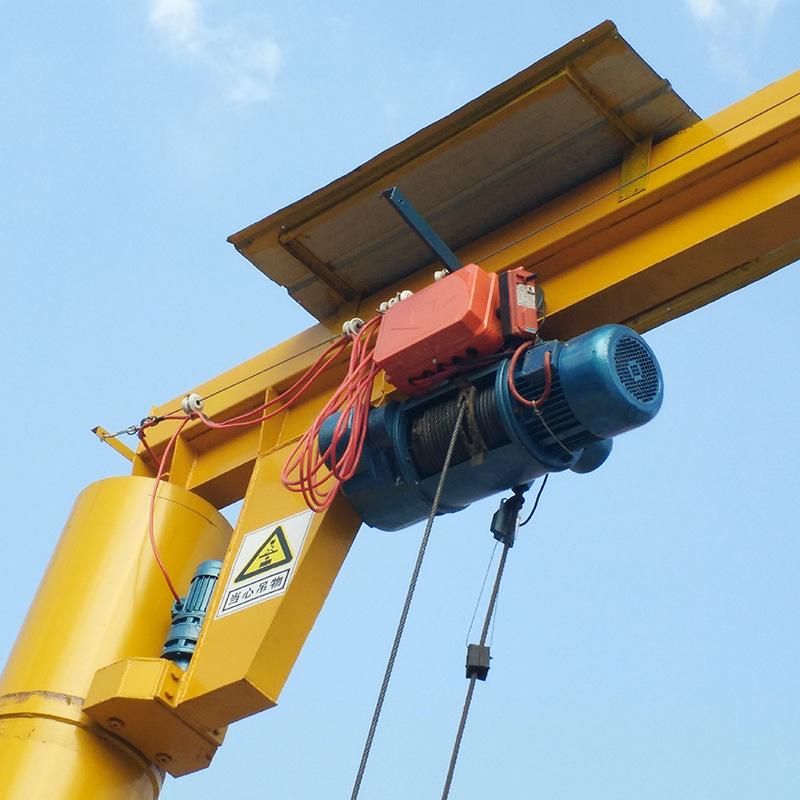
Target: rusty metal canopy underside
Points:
x,y
553,126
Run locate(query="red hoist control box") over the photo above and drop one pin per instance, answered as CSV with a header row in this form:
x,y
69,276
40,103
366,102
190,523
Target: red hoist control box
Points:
x,y
455,324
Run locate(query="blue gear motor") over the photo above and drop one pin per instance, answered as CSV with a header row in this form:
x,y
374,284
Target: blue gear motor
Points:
x,y
188,617
603,383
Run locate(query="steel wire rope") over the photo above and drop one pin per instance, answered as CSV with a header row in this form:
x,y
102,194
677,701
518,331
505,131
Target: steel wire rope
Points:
x,y
133,430
488,619
272,366
462,724
407,604
480,594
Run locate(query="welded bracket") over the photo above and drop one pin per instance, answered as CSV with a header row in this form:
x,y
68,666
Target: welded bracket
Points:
x,y
136,700
107,438
635,166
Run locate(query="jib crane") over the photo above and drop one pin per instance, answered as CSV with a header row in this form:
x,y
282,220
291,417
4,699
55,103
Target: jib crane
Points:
x,y
624,209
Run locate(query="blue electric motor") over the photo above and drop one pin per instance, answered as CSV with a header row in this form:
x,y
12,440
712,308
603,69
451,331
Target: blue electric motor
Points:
x,y
188,617
603,383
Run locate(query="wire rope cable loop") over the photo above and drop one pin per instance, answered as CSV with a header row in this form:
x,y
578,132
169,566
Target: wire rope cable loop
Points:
x,y
407,604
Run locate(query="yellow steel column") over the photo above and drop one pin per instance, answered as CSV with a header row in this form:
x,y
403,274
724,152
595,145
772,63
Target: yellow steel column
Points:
x,y
102,599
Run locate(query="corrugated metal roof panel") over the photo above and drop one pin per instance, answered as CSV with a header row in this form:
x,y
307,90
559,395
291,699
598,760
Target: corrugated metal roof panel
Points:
x,y
553,126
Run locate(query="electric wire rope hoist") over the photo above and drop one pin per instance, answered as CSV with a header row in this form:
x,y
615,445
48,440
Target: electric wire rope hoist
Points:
x,y
539,407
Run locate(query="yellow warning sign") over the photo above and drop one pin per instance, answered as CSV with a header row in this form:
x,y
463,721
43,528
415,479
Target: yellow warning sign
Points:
x,y
273,553
265,562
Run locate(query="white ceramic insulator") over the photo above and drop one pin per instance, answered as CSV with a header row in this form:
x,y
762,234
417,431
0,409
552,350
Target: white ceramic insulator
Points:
x,y
405,294
352,327
440,273
192,403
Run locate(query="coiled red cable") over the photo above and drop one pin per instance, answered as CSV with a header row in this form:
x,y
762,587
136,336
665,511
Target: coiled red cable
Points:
x,y
548,377
318,475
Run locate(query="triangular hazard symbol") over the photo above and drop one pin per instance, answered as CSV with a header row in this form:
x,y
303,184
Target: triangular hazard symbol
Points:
x,y
274,552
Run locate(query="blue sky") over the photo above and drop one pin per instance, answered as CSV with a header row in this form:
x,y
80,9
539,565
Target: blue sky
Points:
x,y
647,639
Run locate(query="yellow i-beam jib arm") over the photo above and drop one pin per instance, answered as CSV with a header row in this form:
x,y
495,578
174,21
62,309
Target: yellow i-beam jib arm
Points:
x,y
676,224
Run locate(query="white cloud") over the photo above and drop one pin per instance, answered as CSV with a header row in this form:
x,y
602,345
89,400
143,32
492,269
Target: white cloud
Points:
x,y
245,60
734,27
705,10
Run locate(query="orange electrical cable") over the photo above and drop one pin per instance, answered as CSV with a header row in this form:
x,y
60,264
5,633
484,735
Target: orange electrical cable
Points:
x,y
289,396
151,516
318,475
548,377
